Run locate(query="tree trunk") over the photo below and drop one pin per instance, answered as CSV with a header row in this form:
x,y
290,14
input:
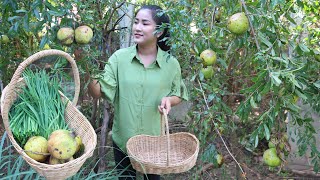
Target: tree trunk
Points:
x,y
103,138
126,35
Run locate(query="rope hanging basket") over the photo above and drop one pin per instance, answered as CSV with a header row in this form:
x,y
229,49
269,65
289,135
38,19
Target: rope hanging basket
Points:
x,y
165,154
73,117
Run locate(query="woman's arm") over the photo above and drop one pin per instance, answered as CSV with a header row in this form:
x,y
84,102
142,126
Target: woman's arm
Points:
x,y
168,102
94,89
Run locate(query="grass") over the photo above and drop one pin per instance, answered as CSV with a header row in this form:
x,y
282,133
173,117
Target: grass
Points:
x,y
13,166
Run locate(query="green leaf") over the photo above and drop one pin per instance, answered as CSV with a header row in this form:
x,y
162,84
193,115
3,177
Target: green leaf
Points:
x,y
26,22
21,11
317,84
256,141
36,14
221,34
304,48
266,88
266,131
209,154
14,18
15,26
211,97
300,94
280,59
252,103
287,15
296,83
300,3
275,78
264,40
56,13
43,41
223,63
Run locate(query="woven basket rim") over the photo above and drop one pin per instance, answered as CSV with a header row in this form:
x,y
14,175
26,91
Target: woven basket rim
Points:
x,y
152,136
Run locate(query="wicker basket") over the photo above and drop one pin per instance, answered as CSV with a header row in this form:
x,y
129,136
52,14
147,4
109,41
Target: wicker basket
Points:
x,y
151,155
75,119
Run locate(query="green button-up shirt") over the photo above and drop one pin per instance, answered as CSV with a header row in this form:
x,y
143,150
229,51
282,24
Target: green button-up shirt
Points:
x,y
136,91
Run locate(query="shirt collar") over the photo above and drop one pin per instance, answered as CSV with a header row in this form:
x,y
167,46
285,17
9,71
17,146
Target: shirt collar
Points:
x,y
159,59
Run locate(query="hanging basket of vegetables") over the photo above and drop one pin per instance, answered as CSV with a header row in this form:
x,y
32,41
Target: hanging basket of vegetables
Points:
x,y
40,120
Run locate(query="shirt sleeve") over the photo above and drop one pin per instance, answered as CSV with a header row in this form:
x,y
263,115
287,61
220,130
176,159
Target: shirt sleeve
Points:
x,y
108,79
178,87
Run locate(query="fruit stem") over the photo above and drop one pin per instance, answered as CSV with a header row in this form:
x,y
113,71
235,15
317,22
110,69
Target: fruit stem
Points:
x,y
218,132
251,26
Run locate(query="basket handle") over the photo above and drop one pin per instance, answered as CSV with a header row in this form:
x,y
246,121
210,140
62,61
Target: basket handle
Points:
x,y
17,74
165,131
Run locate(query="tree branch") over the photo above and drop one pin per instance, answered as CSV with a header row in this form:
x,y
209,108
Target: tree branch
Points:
x,y
218,132
251,26
99,10
112,12
103,133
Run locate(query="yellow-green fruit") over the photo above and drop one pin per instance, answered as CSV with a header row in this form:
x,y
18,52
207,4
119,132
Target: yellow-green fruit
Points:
x,y
79,143
207,72
42,33
83,34
208,57
54,160
285,136
4,39
271,144
91,26
238,23
65,35
53,2
281,146
70,159
62,144
295,99
221,129
271,158
317,56
220,159
35,146
46,47
192,52
60,131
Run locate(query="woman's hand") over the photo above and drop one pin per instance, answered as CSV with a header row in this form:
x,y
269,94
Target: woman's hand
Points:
x,y
165,103
168,102
94,89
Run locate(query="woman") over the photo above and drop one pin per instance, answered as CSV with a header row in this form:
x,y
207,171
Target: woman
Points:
x,y
140,81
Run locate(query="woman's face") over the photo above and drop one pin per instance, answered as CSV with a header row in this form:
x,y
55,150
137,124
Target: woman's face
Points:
x,y
143,28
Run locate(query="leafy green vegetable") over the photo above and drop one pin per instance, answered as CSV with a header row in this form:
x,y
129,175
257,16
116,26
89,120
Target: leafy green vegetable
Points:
x,y
39,109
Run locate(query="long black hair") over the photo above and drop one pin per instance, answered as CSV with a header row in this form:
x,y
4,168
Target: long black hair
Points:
x,y
162,20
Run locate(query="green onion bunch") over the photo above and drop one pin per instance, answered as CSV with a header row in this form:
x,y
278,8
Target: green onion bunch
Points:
x,y
38,110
